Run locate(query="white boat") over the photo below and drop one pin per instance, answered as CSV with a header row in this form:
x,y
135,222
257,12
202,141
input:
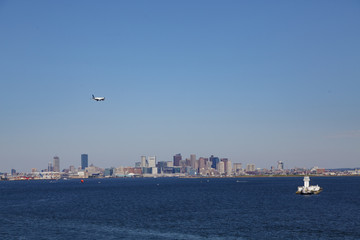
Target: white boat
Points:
x,y
307,189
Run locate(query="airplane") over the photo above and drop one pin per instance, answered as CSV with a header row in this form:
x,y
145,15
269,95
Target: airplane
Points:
x,y
98,98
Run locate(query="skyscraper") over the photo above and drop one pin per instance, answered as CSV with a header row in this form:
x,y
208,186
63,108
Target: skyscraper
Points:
x,y
227,165
152,162
201,163
193,161
56,164
214,161
220,167
143,161
228,168
84,161
280,165
177,159
50,167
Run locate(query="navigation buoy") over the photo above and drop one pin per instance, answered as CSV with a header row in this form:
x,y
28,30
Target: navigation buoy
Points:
x,y
82,181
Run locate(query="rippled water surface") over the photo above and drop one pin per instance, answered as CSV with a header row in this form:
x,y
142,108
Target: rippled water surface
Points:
x,y
170,208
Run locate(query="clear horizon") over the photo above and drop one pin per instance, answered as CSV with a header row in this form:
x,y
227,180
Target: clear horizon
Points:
x,y
253,81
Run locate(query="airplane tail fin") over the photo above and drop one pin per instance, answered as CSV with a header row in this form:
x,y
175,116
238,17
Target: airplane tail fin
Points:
x,y
93,96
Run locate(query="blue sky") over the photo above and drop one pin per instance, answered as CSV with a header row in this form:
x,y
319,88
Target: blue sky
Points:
x,y
253,81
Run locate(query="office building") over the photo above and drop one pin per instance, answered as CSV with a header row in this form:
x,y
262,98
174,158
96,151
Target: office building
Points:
x,y
56,164
214,161
151,162
201,163
227,165
50,167
84,161
250,167
207,163
220,167
187,162
193,161
143,162
280,165
177,159
237,167
108,172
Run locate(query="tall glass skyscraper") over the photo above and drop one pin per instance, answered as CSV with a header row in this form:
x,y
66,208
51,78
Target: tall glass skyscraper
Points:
x,y
84,161
214,161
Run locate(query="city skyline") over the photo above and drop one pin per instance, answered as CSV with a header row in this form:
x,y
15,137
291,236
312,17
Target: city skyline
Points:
x,y
176,161
255,82
148,166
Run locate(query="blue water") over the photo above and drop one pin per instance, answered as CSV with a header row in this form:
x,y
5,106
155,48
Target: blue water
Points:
x,y
169,208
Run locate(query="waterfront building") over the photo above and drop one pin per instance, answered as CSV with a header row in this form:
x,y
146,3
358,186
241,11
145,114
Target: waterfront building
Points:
x,y
108,172
149,170
119,171
146,170
177,159
93,171
128,171
56,164
137,171
82,174
84,161
13,172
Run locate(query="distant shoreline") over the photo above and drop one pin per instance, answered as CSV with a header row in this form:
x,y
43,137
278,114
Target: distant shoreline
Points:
x,y
187,177
277,176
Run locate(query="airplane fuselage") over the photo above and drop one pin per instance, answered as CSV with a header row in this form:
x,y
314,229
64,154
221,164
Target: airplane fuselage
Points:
x,y
98,98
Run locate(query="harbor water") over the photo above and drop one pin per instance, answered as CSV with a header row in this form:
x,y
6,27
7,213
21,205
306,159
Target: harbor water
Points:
x,y
172,208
